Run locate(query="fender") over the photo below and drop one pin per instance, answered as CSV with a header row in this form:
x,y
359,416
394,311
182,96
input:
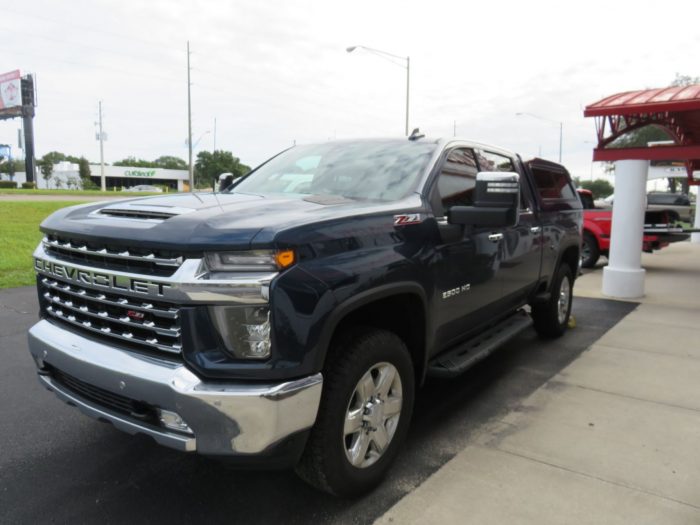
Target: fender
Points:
x,y
597,232
563,247
366,297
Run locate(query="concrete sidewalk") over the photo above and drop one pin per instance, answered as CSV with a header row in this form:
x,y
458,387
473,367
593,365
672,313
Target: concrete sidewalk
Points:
x,y
613,438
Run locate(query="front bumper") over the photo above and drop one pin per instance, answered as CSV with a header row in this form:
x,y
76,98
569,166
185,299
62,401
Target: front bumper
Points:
x,y
225,418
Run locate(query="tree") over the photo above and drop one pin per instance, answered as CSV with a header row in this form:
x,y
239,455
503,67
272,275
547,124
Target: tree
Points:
x,y
600,188
170,163
54,157
136,163
72,183
210,165
84,168
46,168
11,167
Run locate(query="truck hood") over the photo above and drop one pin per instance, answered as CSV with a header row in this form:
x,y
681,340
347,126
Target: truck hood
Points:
x,y
204,221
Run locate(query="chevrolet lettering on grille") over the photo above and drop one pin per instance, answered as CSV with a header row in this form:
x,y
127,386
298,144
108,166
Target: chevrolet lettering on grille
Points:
x,y
103,280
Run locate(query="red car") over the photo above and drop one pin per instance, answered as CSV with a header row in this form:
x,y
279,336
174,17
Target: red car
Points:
x,y
597,224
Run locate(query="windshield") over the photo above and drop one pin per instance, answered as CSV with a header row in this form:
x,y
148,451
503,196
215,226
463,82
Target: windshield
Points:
x,y
385,171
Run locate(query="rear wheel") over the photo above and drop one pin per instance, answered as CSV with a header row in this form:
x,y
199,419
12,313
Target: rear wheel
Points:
x,y
590,253
365,411
551,318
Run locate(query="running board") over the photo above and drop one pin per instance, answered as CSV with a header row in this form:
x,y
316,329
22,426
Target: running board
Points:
x,y
467,354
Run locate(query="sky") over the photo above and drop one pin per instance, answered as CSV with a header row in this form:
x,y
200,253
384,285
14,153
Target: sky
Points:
x,y
277,72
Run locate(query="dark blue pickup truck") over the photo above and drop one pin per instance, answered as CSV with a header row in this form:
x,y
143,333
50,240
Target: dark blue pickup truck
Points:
x,y
289,319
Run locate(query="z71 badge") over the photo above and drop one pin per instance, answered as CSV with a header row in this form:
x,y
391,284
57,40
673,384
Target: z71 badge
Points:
x,y
408,218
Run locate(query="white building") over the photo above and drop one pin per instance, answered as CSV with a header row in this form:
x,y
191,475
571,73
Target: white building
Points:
x,y
126,177
66,175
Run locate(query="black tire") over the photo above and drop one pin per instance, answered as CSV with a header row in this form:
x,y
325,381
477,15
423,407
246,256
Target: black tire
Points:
x,y
590,252
546,316
324,463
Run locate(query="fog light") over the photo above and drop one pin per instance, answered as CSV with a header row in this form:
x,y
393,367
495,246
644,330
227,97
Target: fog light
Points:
x,y
173,421
245,330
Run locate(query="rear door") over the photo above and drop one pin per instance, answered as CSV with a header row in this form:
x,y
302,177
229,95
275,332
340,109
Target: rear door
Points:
x,y
521,247
560,210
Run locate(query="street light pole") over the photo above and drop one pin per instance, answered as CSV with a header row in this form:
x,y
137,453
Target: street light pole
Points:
x,y
189,120
103,184
561,127
390,56
561,135
408,83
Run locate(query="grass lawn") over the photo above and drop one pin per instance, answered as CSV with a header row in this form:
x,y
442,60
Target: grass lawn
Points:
x,y
78,193
19,235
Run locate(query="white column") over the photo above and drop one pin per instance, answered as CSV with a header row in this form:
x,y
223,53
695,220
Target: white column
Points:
x,y
623,277
695,237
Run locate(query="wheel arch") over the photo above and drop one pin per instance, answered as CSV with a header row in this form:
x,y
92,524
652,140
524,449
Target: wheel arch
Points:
x,y
571,256
398,307
595,232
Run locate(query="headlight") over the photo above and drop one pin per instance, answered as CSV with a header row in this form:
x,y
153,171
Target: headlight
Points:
x,y
245,330
250,261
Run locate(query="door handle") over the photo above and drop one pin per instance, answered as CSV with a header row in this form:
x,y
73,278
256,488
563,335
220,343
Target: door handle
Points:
x,y
495,237
535,229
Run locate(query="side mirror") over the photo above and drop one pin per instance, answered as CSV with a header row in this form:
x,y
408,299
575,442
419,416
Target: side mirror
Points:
x,y
225,180
496,202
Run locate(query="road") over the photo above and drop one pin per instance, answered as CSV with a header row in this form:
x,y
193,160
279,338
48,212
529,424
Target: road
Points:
x,y
58,466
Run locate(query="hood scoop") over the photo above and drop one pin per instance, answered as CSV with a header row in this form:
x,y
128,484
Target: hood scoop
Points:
x,y
142,212
327,199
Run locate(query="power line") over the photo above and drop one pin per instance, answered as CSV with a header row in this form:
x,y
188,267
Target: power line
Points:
x,y
84,64
80,44
91,29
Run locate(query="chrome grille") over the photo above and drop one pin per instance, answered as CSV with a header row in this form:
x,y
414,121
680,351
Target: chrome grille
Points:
x,y
147,324
132,259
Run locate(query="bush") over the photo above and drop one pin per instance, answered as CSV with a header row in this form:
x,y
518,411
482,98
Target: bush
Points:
x,y
29,185
87,184
8,184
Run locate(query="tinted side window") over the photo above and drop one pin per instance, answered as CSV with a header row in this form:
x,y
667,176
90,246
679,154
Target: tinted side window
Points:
x,y
552,184
494,162
457,179
489,161
586,200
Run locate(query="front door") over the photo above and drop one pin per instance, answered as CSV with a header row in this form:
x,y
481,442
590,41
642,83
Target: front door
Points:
x,y
465,268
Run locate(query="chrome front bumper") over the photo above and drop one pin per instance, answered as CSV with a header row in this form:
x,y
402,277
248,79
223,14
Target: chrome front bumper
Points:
x,y
225,418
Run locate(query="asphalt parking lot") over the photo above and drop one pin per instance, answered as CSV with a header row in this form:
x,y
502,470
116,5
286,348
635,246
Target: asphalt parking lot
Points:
x,y
58,466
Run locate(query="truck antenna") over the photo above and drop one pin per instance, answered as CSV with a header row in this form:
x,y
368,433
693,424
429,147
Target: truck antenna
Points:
x,y
416,134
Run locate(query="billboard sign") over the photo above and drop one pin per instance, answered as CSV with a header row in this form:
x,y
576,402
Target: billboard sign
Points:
x,y
10,90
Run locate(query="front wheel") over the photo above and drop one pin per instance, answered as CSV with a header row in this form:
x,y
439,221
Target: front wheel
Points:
x,y
551,318
364,414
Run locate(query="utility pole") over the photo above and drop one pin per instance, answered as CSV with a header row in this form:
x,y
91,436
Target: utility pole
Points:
x,y
189,118
103,184
561,134
454,128
214,133
28,105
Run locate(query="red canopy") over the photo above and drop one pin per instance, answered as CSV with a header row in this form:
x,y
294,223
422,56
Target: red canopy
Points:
x,y
676,109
